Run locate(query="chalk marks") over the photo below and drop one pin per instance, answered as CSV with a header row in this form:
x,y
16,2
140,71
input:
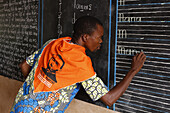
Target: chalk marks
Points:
x,y
82,7
125,51
123,18
122,33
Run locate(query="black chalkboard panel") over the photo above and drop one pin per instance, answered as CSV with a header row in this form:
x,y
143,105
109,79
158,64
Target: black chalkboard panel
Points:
x,y
18,34
144,25
59,17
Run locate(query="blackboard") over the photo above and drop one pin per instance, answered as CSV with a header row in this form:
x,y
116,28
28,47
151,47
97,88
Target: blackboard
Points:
x,y
59,17
144,25
18,34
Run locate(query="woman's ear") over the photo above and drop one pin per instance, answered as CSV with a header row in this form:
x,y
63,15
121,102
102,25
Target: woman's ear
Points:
x,y
85,37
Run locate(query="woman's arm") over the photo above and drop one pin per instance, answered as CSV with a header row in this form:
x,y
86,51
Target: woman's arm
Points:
x,y
113,95
25,68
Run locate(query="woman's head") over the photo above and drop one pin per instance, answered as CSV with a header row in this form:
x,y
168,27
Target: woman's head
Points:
x,y
85,25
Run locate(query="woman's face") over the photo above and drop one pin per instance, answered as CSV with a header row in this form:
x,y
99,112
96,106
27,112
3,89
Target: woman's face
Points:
x,y
95,39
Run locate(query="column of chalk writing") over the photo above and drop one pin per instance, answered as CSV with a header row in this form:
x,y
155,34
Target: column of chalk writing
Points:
x,y
122,33
59,17
18,23
144,26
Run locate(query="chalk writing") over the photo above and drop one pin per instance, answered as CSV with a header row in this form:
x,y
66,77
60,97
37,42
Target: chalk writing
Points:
x,y
59,17
128,19
126,51
121,2
122,33
18,34
74,18
82,7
